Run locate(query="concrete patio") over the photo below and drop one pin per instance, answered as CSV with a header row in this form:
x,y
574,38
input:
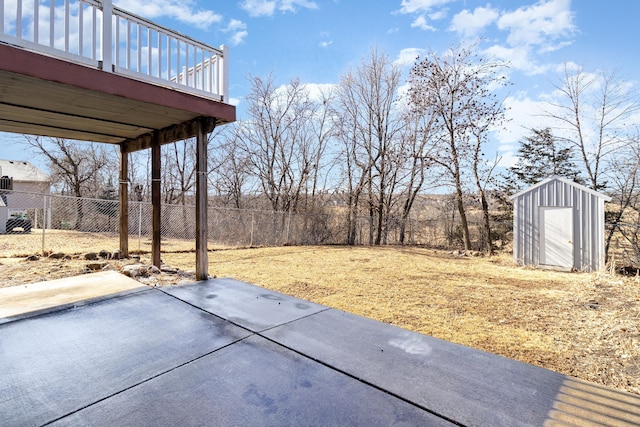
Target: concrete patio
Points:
x,y
223,352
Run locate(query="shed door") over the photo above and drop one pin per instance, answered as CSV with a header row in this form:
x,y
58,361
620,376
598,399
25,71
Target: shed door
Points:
x,y
556,236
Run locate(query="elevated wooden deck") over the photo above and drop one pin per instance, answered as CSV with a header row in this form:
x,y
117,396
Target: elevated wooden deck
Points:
x,y
119,79
43,95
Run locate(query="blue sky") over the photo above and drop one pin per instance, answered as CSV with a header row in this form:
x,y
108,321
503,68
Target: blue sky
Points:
x,y
319,40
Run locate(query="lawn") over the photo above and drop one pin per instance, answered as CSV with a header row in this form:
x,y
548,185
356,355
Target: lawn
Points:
x,y
585,325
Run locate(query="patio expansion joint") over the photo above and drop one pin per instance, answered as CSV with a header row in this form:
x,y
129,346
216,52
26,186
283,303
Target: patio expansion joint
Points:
x,y
144,381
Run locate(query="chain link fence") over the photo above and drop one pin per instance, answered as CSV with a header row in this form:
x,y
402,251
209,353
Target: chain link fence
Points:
x,y
78,219
54,220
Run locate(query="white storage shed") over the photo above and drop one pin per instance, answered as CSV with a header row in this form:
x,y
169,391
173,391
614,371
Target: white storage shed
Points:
x,y
560,224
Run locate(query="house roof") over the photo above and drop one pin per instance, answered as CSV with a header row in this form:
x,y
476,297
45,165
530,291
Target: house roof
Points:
x,y
566,181
22,171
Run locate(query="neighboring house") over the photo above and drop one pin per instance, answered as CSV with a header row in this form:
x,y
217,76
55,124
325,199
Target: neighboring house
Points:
x,y
26,177
29,186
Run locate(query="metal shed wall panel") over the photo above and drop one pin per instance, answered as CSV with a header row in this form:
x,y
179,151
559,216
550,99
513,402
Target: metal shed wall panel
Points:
x,y
588,222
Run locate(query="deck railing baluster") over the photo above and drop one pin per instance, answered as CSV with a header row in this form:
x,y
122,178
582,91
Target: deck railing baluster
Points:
x,y
52,29
36,21
80,28
1,16
171,59
19,19
66,25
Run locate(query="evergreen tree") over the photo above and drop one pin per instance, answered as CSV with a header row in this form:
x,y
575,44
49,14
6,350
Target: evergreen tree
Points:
x,y
540,156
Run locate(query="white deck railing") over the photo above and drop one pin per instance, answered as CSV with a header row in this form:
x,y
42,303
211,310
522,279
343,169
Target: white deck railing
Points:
x,y
73,30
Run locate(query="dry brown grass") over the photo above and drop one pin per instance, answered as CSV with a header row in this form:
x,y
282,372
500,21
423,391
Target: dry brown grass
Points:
x,y
585,325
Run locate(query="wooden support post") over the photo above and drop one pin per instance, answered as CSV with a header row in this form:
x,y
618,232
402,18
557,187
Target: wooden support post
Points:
x,y
156,198
124,203
202,257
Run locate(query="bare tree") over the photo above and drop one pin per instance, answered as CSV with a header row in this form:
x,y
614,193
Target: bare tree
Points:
x,y
415,136
280,140
179,171
321,131
456,89
481,126
228,165
592,116
624,183
482,172
368,126
80,168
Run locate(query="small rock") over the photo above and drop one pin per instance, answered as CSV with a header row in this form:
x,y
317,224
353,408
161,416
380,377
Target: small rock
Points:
x,y
169,270
108,267
593,304
33,257
104,254
57,255
153,269
95,266
115,255
147,280
91,256
134,270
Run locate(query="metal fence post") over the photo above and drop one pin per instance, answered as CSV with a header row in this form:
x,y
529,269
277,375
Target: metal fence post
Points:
x,y
252,221
44,215
139,224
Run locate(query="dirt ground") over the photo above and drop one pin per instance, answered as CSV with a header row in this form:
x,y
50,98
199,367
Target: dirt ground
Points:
x,y
584,325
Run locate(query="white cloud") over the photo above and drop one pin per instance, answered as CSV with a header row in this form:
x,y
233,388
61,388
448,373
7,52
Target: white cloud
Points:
x,y
325,39
522,114
293,5
433,9
470,24
268,7
239,37
413,6
519,58
238,30
408,56
540,24
421,22
439,14
259,7
319,91
182,10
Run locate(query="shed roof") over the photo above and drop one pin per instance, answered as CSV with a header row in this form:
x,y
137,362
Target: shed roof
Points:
x,y
566,181
22,171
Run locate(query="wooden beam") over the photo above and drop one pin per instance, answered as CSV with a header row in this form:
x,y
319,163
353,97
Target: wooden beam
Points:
x,y
202,256
156,225
124,203
170,134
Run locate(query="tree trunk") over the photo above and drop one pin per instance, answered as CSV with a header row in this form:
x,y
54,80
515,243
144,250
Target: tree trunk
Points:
x,y
463,214
487,221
